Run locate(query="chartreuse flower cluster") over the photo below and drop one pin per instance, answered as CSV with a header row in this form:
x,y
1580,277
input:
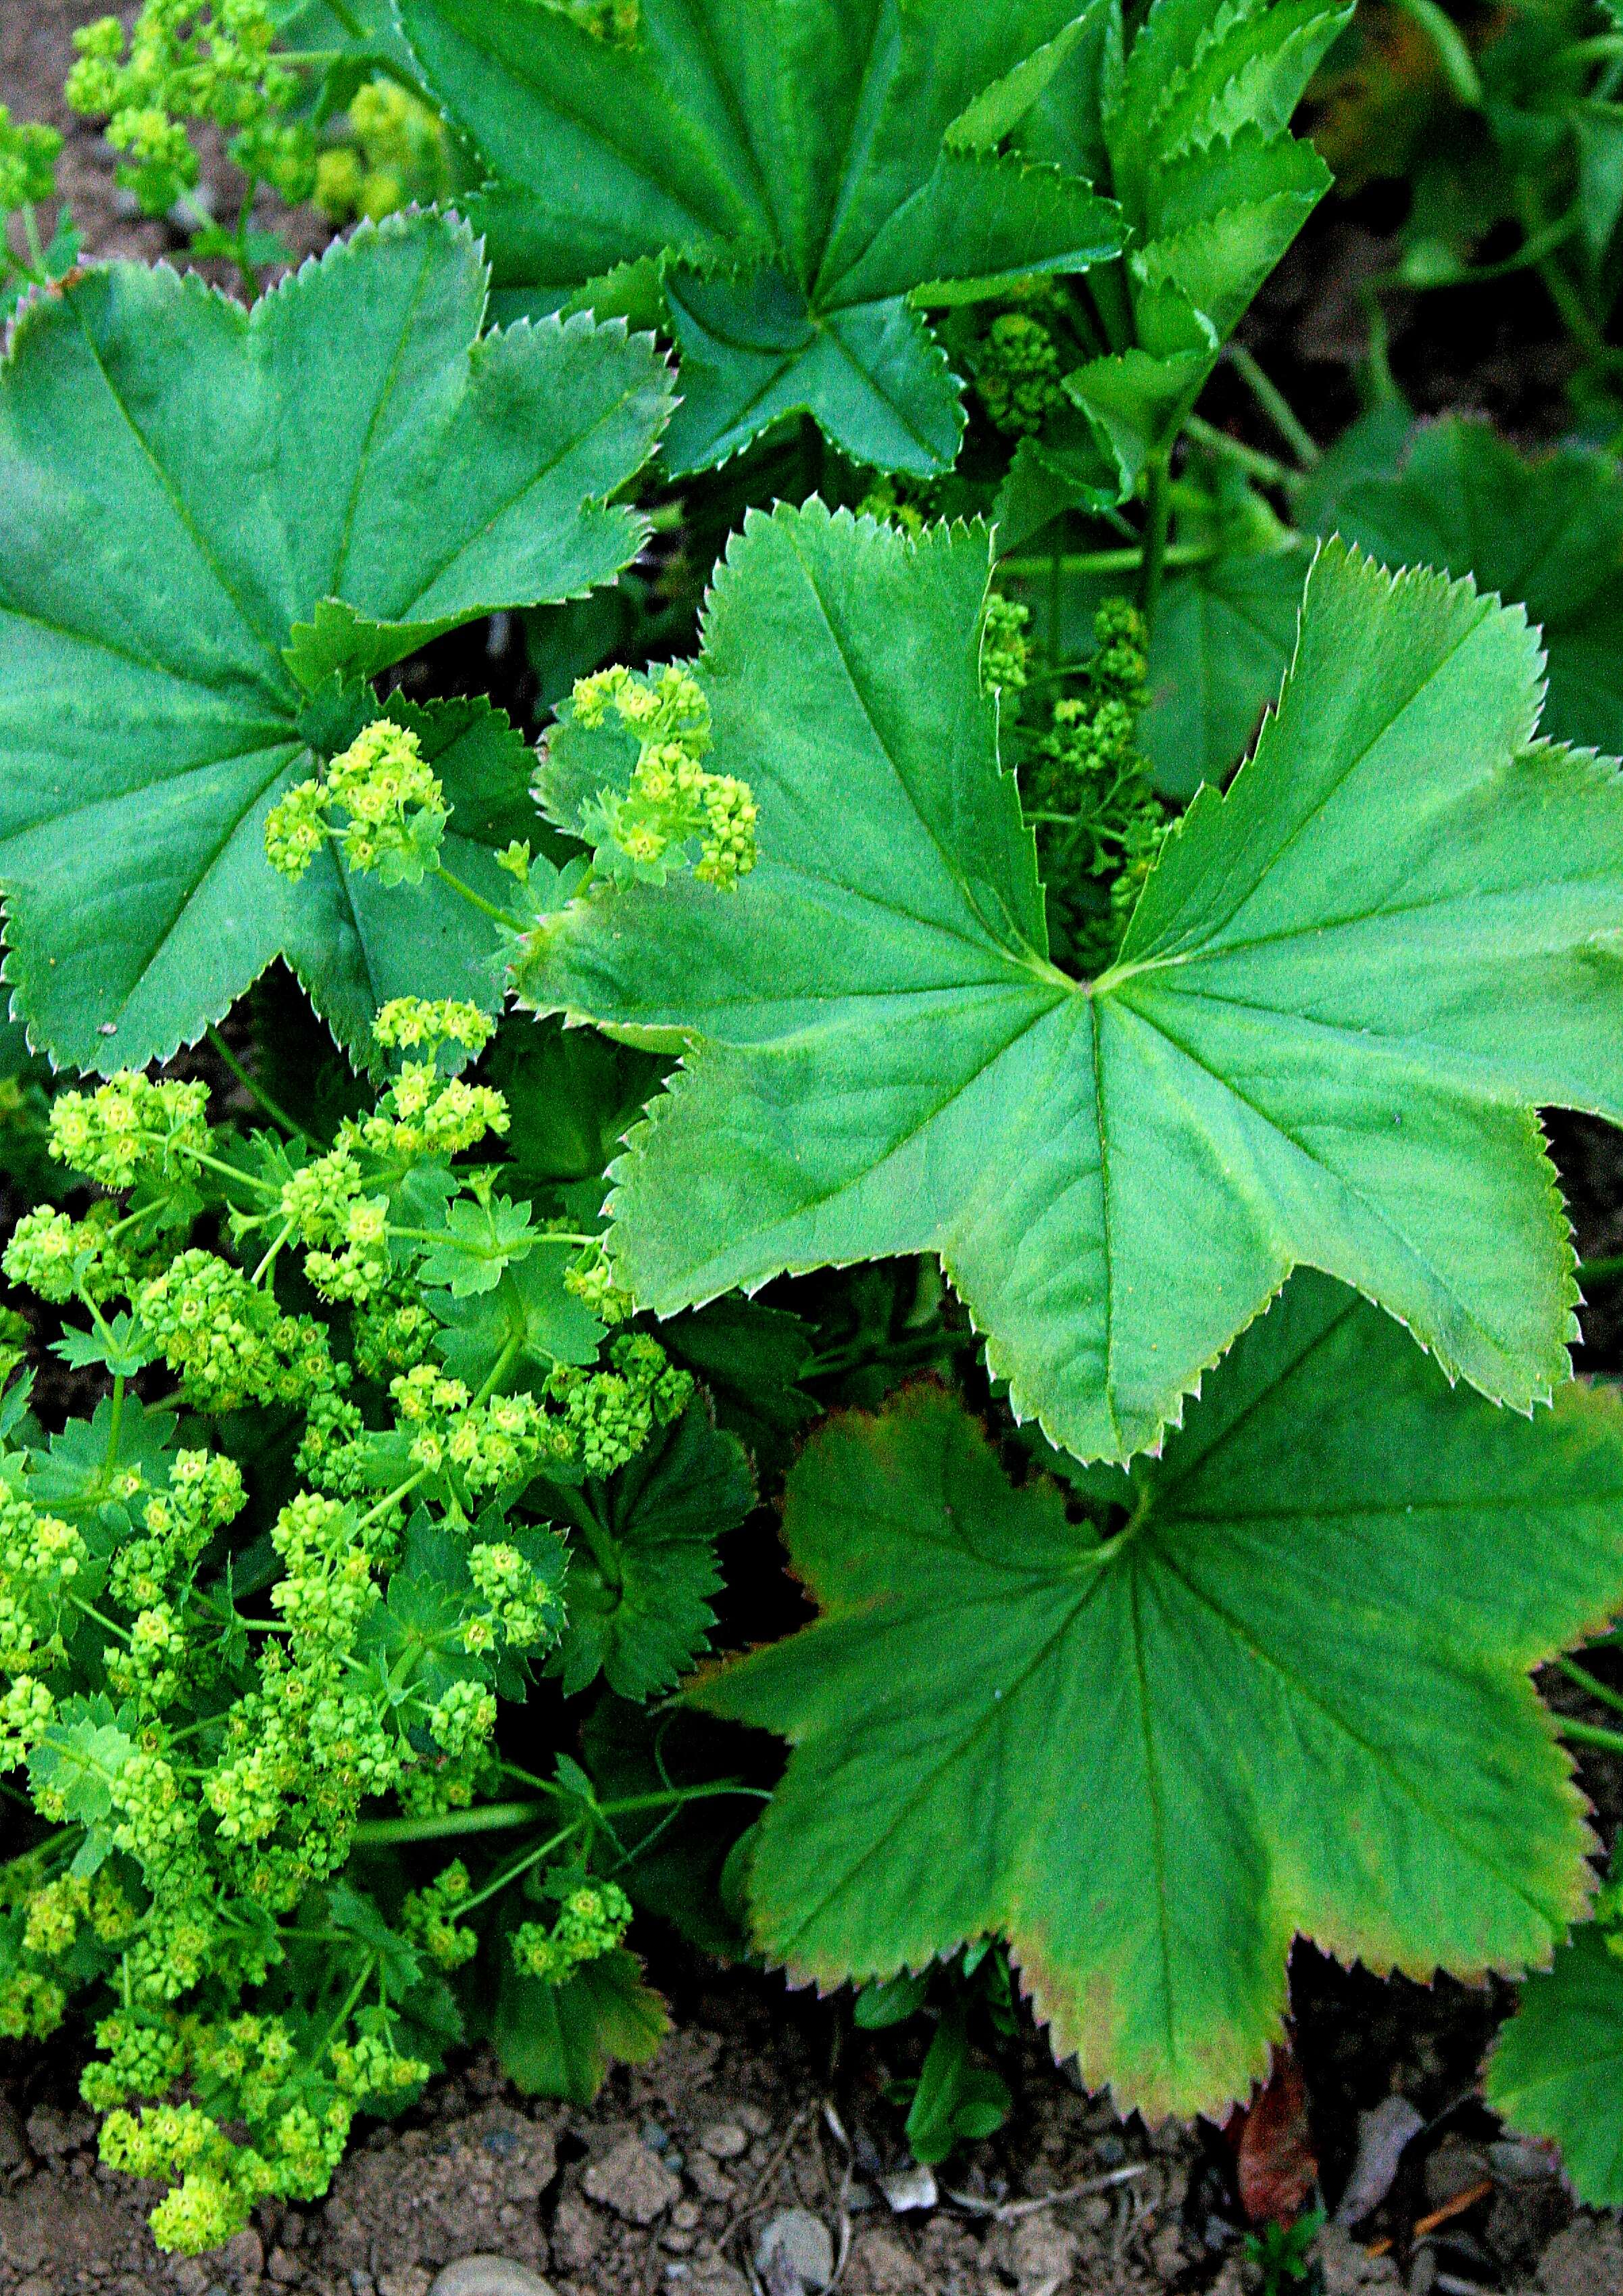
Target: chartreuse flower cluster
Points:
x,y
672,797
381,805
182,64
397,151
1087,787
592,1919
393,808
218,1654
28,153
1017,373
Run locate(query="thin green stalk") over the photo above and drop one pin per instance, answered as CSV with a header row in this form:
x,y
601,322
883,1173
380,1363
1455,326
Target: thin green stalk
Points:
x,y
115,1423
1265,467
485,908
393,1498
1600,1271
1275,405
491,1252
106,1624
603,1548
352,1998
1587,1682
1589,1733
30,232
1158,520
233,1173
269,1260
1378,379
1110,561
255,1091
493,1817
509,1874
498,1370
1448,45
1597,51
677,1795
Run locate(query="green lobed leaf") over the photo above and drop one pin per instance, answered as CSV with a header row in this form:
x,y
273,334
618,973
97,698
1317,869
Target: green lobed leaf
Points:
x,y
1222,642
1556,2070
641,1585
81,1757
1159,1754
809,186
326,483
751,1360
1347,984
531,1308
1547,532
559,2040
1194,121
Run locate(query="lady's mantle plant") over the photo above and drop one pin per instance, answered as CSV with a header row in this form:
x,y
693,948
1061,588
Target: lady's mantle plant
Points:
x,y
205,1703
912,978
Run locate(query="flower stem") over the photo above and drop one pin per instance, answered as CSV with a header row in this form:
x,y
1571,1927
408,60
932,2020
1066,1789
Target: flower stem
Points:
x,y
1587,1681
1275,405
1110,562
1589,1733
448,1825
255,1091
1158,518
485,908
1271,472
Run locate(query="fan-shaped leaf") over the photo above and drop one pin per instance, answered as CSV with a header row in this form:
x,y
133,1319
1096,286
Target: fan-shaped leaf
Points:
x,y
814,175
259,502
1289,1693
1346,986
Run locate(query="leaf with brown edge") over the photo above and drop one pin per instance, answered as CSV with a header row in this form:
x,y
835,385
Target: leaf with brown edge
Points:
x,y
1280,1687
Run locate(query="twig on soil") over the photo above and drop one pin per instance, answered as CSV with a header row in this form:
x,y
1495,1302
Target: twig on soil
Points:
x,y
836,2129
1456,2207
1008,2212
751,2204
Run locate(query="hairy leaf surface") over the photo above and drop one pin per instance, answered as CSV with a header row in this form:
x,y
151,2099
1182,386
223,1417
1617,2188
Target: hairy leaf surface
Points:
x,y
1192,128
1557,2067
1545,533
640,1589
263,506
813,171
1290,1695
1347,983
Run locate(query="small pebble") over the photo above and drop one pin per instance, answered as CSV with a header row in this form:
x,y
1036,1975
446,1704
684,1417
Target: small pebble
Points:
x,y
795,2243
724,2140
686,2215
489,2276
632,2181
911,2187
1521,2163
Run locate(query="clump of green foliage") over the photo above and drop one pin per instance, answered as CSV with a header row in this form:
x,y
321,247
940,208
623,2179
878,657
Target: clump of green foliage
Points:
x,y
1052,909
